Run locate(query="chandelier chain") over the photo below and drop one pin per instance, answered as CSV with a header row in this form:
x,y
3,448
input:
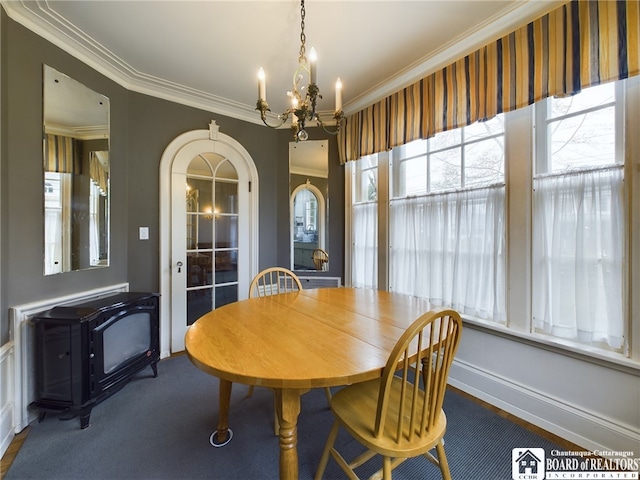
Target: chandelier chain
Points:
x,y
303,58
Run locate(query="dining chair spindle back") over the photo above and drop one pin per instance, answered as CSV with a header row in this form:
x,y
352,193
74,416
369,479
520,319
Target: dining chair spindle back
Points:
x,y
273,281
320,259
399,415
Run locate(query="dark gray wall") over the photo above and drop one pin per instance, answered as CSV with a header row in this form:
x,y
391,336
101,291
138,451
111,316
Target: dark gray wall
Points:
x,y
141,128
154,123
23,56
3,174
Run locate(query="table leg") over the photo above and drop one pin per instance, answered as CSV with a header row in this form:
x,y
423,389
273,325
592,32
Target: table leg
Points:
x,y
223,433
288,409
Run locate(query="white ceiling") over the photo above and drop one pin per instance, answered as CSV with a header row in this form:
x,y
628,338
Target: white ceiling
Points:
x,y
207,53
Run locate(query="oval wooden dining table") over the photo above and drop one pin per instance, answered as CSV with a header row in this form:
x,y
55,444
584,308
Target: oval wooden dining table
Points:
x,y
293,342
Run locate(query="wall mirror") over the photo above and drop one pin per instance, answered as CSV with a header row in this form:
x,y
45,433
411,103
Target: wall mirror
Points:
x,y
309,212
75,175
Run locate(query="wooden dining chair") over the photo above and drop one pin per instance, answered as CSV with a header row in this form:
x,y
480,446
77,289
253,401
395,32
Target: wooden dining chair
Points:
x,y
273,281
320,258
399,415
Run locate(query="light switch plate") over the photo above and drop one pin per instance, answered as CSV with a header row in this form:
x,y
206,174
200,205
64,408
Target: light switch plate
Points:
x,y
144,233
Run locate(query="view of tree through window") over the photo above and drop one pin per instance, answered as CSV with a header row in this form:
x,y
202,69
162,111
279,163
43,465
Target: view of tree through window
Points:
x,y
466,157
367,187
581,129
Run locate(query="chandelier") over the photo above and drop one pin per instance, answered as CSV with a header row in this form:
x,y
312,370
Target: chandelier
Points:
x,y
303,99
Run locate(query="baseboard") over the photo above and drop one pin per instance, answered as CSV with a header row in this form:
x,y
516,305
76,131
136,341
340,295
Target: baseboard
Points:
x,y
589,430
6,397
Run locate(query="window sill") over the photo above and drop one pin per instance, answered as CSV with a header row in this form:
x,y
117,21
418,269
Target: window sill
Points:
x,y
581,352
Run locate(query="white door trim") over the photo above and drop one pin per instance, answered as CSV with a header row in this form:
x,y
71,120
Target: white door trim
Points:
x,y
224,145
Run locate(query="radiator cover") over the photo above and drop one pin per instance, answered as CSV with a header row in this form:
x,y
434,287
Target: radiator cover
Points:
x,y
320,282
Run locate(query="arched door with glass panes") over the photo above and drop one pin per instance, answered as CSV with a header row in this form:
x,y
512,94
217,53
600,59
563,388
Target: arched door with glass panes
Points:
x,y
208,224
211,195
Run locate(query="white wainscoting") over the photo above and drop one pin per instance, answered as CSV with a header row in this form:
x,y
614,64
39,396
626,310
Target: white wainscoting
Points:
x,y
21,337
591,430
6,396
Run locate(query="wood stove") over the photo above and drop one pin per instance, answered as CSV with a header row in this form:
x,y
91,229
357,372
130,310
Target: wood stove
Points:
x,y
85,352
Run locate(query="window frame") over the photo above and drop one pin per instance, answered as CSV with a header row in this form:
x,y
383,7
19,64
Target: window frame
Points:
x,y
542,164
543,168
464,142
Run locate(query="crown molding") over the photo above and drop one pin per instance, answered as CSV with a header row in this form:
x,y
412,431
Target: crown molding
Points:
x,y
40,19
36,16
92,132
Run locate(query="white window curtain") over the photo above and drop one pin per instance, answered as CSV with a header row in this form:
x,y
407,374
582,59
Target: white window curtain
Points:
x,y
94,228
57,223
450,249
364,254
578,245
52,241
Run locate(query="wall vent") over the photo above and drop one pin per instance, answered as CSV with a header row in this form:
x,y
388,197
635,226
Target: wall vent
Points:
x,y
320,282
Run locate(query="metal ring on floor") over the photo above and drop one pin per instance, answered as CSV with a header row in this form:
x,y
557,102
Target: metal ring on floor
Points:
x,y
212,440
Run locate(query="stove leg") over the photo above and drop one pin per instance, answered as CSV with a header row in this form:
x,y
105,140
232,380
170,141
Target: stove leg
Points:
x,y
85,414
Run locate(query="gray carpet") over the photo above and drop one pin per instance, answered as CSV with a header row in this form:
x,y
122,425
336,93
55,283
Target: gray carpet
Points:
x,y
159,428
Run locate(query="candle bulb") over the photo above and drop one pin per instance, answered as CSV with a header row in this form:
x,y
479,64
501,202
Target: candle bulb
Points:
x,y
338,95
262,88
313,59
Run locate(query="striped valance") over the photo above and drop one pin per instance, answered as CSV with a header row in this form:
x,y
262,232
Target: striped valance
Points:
x,y
98,165
580,44
61,154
